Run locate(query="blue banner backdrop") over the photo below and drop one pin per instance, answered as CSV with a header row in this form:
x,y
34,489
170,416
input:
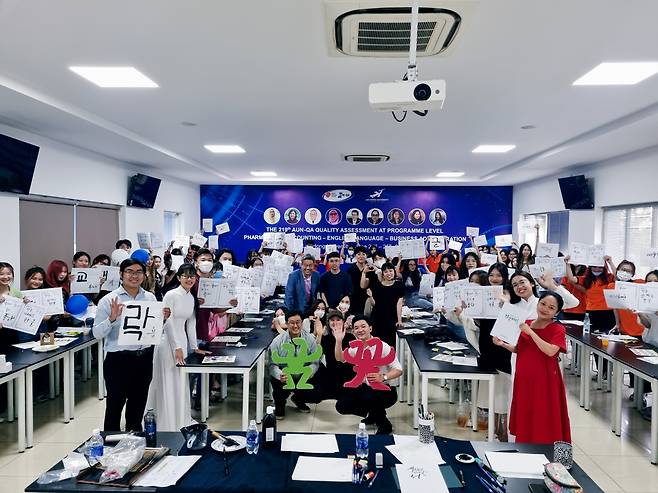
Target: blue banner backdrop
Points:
x,y
377,215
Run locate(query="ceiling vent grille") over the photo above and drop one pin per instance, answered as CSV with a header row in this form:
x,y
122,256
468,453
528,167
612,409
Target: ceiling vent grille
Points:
x,y
385,32
366,158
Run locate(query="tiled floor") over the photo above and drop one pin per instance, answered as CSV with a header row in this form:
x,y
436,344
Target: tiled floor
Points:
x,y
616,464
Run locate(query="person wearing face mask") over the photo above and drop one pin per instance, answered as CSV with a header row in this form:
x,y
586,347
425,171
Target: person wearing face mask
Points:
x,y
302,286
592,283
539,412
626,320
388,297
350,257
278,378
363,400
355,271
334,283
178,340
314,319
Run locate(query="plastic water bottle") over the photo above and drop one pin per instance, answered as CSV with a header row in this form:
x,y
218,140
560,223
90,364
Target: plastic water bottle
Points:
x,y
150,428
252,438
96,444
269,428
362,442
586,325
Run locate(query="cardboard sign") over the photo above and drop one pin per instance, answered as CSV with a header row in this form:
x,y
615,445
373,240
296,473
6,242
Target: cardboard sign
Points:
x,y
18,315
547,250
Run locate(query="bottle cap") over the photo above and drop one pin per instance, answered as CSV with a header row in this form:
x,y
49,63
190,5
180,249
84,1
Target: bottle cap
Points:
x,y
269,410
362,426
252,422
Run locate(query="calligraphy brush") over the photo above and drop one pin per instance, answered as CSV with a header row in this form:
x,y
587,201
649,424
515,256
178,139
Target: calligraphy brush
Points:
x,y
228,442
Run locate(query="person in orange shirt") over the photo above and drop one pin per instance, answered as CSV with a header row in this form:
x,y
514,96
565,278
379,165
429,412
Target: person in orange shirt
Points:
x,y
626,321
577,313
433,261
592,283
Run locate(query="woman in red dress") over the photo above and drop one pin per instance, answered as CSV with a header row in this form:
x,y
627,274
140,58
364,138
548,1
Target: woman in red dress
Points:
x,y
539,411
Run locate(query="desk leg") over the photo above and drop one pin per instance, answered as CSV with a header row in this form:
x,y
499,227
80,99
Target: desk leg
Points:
x,y
182,376
84,358
101,378
10,401
20,382
51,381
57,378
29,408
245,401
72,377
223,382
654,423
260,387
637,392
205,396
89,360
423,392
67,388
587,375
618,395
416,389
599,377
490,429
410,371
399,348
474,405
451,391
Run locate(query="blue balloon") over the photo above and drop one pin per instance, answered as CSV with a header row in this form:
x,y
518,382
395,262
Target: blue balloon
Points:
x,y
141,255
77,304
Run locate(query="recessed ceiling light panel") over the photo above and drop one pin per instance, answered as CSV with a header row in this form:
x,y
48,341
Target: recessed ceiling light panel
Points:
x,y
225,148
450,174
493,148
263,174
618,74
114,77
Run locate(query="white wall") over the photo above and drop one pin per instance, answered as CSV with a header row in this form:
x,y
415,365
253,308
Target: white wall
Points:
x,y
64,171
622,181
9,225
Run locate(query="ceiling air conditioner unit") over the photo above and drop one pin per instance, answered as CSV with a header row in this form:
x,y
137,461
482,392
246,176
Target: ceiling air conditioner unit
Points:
x,y
382,29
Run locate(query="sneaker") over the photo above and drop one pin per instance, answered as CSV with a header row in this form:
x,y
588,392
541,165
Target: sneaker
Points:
x,y
384,427
301,406
279,412
216,396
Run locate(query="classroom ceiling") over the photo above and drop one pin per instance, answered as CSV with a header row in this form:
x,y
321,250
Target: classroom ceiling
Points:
x,y
263,75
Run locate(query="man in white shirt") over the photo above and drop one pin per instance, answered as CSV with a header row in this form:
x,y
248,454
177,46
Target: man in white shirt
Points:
x,y
370,398
127,369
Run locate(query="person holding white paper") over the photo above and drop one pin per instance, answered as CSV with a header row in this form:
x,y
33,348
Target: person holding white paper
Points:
x,y
178,339
34,279
650,320
497,358
539,412
626,321
524,292
592,283
8,336
128,369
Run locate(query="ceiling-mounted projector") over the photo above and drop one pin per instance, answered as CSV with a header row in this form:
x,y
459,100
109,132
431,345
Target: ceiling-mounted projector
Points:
x,y
406,95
